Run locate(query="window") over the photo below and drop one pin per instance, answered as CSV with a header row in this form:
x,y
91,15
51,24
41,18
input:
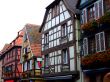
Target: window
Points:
x,y
64,30
37,64
25,50
55,11
92,47
65,56
85,46
100,8
25,66
84,16
46,38
91,12
31,62
100,41
46,60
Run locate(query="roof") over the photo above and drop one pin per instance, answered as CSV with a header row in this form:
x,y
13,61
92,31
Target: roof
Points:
x,y
4,48
34,37
70,4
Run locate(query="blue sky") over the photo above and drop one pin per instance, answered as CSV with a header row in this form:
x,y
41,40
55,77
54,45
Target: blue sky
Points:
x,y
14,14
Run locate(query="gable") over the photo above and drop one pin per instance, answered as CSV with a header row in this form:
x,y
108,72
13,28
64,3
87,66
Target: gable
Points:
x,y
55,15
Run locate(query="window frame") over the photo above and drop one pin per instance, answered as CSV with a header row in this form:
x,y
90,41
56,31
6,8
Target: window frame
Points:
x,y
100,47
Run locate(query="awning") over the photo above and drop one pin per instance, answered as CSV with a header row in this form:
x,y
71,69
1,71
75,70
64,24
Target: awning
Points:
x,y
9,81
58,77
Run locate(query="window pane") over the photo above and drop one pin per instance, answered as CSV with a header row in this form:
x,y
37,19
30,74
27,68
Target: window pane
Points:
x,y
55,29
72,65
31,64
52,37
61,9
53,22
52,62
62,17
56,60
71,50
54,42
49,38
59,33
56,68
65,56
69,22
59,51
47,60
59,59
70,29
70,37
58,42
59,27
67,15
64,8
49,24
57,20
59,68
55,36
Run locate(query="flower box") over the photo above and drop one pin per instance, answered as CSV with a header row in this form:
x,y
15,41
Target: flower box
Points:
x,y
97,60
91,25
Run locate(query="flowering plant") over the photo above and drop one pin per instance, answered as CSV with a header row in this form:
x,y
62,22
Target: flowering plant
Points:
x,y
97,60
105,19
91,25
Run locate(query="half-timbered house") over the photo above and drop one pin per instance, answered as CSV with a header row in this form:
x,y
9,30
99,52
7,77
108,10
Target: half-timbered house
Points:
x,y
60,47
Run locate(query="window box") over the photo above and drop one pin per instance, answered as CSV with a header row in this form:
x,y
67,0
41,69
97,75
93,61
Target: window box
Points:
x,y
91,25
105,19
97,60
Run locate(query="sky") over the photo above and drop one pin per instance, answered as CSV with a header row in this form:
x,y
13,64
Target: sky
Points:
x,y
14,14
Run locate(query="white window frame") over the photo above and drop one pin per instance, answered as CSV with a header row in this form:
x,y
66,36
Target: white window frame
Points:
x,y
100,48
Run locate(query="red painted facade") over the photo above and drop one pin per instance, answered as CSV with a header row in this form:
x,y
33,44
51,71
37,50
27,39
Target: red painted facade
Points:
x,y
11,60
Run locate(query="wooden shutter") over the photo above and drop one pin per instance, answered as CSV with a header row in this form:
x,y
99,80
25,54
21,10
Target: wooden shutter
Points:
x,y
102,41
96,10
97,42
85,46
100,8
85,15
